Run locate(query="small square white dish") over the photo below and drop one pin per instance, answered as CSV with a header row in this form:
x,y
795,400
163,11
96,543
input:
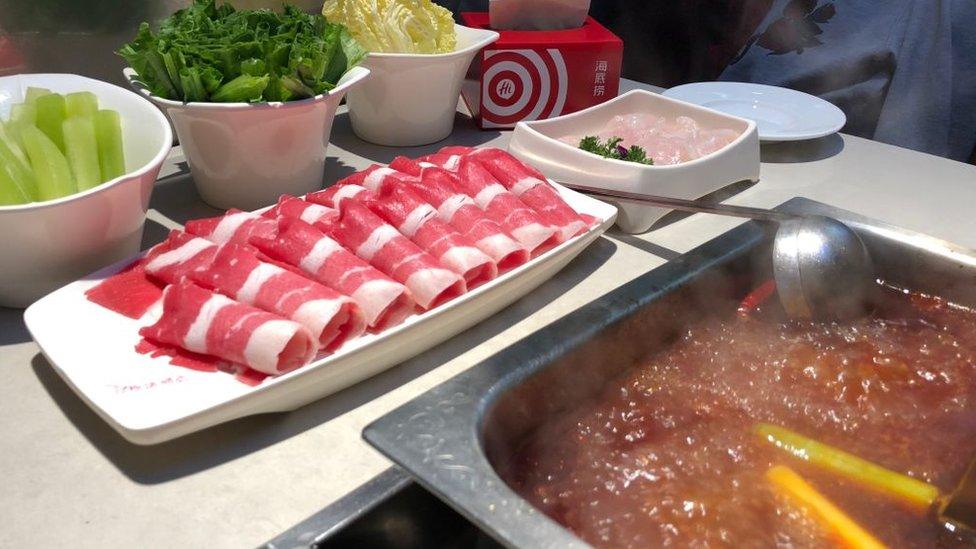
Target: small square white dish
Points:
x,y
148,400
538,143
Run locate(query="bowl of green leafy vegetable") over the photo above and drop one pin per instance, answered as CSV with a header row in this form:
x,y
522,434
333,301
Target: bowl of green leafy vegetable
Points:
x,y
252,95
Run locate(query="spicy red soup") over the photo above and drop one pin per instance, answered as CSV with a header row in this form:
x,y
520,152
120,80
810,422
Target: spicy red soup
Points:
x,y
668,455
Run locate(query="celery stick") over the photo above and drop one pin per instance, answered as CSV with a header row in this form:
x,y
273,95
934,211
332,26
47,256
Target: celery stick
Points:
x,y
8,137
51,168
50,116
82,151
16,164
14,130
17,182
23,113
32,93
108,134
81,103
847,465
10,192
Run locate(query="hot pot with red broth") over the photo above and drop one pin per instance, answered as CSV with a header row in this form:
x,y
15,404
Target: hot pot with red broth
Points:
x,y
686,409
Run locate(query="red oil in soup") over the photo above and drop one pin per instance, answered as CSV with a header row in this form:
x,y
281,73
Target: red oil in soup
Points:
x,y
666,455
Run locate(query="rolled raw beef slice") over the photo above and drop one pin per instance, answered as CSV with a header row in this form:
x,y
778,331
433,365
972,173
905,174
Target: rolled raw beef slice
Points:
x,y
387,194
384,302
294,207
178,256
456,150
450,160
355,178
339,192
440,189
518,220
350,187
379,243
414,216
532,188
234,227
237,273
204,322
408,166
137,288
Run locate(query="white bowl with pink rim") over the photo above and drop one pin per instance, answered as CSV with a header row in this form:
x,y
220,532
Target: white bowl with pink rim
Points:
x,y
539,143
411,98
246,155
45,245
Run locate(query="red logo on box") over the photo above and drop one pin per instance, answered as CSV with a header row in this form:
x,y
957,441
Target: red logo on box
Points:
x,y
522,85
533,75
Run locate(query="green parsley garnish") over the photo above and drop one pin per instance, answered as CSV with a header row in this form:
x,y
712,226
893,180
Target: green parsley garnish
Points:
x,y
611,148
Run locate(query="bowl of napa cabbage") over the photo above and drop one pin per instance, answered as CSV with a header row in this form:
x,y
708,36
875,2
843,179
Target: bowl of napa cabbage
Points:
x,y
417,59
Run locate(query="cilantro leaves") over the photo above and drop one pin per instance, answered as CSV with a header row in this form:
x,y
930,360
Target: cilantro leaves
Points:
x,y
611,148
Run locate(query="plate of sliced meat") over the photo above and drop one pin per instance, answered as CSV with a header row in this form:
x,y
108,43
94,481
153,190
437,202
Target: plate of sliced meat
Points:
x,y
266,311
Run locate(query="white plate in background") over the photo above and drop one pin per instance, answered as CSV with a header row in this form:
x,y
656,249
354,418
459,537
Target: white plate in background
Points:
x,y
148,400
781,114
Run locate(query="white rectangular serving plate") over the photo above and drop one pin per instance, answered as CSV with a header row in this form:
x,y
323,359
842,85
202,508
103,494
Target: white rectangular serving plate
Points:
x,y
148,400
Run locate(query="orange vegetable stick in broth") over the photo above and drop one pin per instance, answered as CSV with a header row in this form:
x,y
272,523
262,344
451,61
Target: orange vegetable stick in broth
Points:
x,y
848,532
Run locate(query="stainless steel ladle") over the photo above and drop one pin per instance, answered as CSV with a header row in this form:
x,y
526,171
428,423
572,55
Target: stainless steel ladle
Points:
x,y
821,267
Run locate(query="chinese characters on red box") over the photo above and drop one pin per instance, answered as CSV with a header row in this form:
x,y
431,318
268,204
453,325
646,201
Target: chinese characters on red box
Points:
x,y
600,79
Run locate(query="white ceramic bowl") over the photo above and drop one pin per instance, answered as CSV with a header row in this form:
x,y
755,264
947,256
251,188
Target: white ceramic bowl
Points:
x,y
537,142
46,245
246,155
411,98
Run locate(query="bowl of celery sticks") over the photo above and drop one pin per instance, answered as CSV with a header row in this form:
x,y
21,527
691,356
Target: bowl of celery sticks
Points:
x,y
252,95
78,159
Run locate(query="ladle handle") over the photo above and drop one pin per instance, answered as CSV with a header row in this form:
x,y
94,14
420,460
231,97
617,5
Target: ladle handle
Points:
x,y
685,205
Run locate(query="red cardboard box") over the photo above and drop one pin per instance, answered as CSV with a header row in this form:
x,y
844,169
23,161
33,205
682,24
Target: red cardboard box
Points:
x,y
532,75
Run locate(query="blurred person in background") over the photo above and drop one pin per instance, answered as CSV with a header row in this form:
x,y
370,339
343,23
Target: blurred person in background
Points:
x,y
903,71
